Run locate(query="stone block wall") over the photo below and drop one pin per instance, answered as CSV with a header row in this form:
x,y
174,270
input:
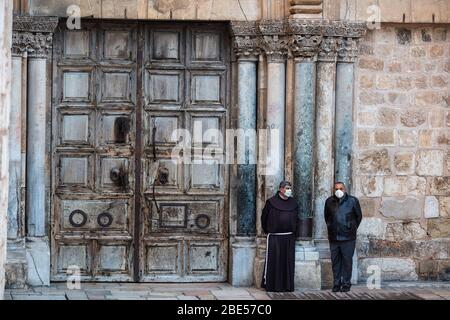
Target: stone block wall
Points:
x,y
401,164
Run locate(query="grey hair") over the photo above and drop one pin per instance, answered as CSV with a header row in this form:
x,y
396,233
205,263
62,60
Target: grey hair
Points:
x,y
284,183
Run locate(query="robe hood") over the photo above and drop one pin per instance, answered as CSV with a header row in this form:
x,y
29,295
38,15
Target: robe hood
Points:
x,y
283,205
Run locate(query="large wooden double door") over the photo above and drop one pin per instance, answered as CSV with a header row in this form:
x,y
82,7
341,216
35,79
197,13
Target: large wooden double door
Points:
x,y
122,208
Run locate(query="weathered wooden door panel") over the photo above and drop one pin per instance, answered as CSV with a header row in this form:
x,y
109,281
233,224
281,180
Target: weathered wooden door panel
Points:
x,y
93,151
173,77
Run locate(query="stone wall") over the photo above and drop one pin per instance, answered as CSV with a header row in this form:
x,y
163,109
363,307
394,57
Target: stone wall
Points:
x,y
5,85
401,165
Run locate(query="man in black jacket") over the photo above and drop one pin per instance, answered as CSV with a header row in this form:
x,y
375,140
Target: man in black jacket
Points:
x,y
343,216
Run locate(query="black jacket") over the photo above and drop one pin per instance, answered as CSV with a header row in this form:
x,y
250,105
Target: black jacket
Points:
x,y
342,217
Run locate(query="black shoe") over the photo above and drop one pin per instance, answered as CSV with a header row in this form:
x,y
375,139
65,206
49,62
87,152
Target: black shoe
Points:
x,y
336,289
345,289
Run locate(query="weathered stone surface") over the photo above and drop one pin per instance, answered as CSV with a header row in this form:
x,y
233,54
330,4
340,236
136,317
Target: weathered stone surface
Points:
x,y
386,248
327,274
371,98
402,208
38,260
396,98
404,163
418,52
386,117
385,81
439,81
440,186
417,186
436,51
364,138
394,67
444,270
430,162
374,162
401,231
428,270
392,269
403,36
384,137
371,64
369,206
439,227
395,186
408,138
444,206
431,207
425,138
428,98
372,186
244,250
372,228
431,249
413,118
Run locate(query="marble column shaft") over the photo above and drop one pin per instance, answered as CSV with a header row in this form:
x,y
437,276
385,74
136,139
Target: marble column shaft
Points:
x,y
325,104
15,149
344,121
36,151
304,109
276,74
246,172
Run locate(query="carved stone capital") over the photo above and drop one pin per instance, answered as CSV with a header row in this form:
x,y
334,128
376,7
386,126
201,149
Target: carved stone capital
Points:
x,y
245,39
274,40
328,49
33,35
305,37
348,50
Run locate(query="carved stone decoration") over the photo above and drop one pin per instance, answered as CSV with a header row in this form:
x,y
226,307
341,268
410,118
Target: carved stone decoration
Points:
x,y
35,44
355,29
33,35
246,41
348,50
35,24
274,40
328,49
305,37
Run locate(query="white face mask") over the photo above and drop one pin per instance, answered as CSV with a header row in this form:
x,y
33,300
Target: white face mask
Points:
x,y
339,193
288,193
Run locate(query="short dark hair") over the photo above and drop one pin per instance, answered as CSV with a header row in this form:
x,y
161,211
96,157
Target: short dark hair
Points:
x,y
284,183
339,182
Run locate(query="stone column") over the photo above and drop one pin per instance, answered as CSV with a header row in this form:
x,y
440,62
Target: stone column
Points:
x,y
324,164
305,38
347,55
345,79
324,154
15,147
33,35
6,9
243,244
274,45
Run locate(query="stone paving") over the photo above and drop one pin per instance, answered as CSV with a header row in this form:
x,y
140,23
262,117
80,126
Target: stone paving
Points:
x,y
222,291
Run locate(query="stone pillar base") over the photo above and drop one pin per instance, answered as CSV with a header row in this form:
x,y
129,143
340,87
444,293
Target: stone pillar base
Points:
x,y
307,266
38,260
16,265
242,260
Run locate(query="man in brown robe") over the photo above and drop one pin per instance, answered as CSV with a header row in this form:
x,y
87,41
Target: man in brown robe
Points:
x,y
280,221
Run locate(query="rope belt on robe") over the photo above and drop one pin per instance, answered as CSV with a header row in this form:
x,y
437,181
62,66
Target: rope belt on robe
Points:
x,y
267,249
